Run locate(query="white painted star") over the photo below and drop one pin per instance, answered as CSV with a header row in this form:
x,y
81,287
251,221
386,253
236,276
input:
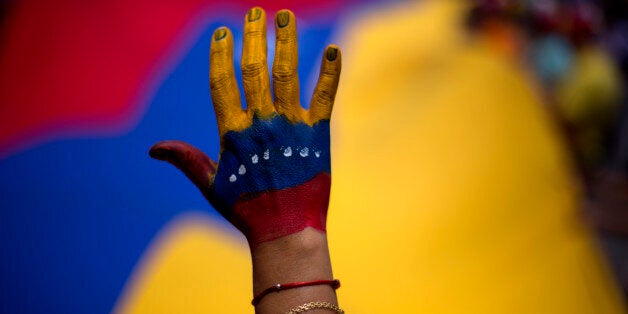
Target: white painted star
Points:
x,y
304,152
287,152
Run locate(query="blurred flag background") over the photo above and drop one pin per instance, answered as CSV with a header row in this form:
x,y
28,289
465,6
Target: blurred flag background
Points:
x,y
480,155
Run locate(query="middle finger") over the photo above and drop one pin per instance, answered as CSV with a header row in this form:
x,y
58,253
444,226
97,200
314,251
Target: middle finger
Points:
x,y
285,76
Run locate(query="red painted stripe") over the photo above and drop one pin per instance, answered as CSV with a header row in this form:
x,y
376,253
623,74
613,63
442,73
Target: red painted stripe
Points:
x,y
273,214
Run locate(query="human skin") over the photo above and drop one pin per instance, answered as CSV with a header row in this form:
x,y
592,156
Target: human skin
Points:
x,y
277,198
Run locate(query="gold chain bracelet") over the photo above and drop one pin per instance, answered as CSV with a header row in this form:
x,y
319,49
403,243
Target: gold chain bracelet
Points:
x,y
316,305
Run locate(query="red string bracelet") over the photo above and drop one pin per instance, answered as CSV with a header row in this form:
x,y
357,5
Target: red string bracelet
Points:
x,y
279,287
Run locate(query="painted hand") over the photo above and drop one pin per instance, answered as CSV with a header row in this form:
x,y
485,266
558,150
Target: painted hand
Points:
x,y
273,175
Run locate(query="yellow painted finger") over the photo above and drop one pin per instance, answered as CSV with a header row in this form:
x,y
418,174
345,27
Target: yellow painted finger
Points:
x,y
325,92
222,83
255,75
285,76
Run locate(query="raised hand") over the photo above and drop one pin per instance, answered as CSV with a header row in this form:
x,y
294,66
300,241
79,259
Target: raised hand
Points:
x,y
273,175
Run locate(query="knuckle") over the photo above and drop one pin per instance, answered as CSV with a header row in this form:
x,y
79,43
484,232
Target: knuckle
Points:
x,y
253,33
325,96
286,39
218,49
253,68
329,73
328,79
219,81
283,72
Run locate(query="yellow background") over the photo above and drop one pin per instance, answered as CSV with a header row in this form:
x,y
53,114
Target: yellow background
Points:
x,y
452,191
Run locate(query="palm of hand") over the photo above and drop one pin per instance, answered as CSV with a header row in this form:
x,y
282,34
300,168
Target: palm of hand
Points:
x,y
273,175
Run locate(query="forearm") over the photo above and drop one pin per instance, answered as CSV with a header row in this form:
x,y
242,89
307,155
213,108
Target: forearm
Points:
x,y
302,256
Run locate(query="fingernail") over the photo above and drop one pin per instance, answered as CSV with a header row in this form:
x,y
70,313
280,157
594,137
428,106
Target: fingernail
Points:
x,y
332,53
220,34
283,19
254,14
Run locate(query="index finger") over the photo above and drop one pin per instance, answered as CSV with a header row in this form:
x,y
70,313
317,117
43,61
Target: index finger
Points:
x,y
285,75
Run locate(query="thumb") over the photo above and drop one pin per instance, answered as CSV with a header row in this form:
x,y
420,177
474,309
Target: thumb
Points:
x,y
196,165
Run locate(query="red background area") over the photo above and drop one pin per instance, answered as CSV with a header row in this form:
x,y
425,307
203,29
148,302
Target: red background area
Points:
x,y
84,67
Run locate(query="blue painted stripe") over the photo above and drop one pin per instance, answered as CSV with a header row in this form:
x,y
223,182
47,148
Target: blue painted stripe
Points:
x,y
271,154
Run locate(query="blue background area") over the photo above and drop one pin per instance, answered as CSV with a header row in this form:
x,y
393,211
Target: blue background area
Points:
x,y
76,215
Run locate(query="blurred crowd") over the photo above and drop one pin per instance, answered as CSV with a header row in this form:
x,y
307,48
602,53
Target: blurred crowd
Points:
x,y
576,52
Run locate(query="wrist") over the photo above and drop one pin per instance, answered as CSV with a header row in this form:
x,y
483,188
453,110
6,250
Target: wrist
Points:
x,y
297,257
302,256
